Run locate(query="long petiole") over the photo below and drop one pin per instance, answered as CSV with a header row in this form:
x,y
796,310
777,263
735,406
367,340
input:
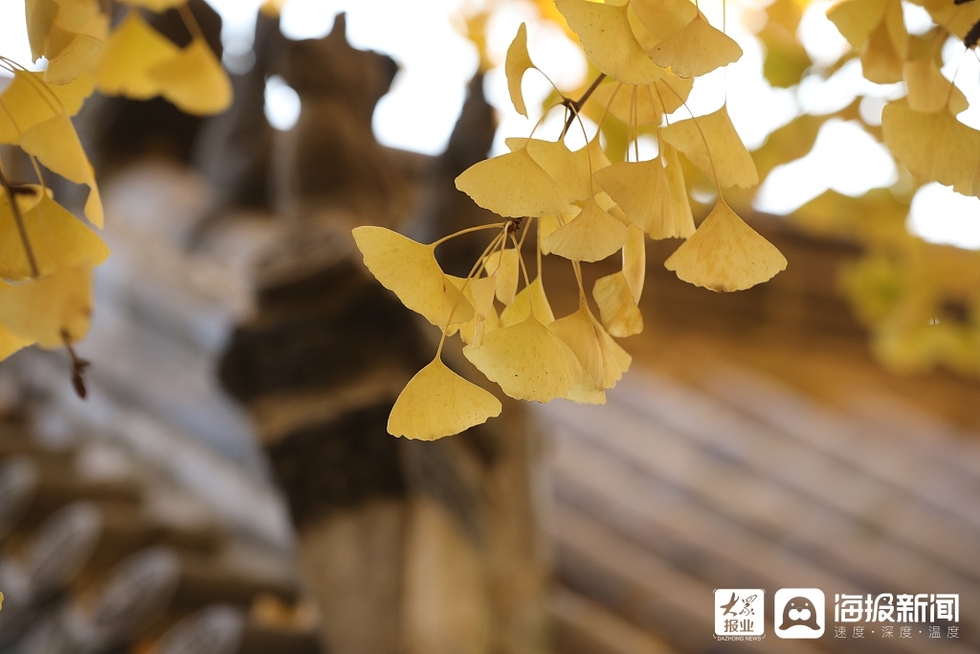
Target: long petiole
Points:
x,y
468,230
21,227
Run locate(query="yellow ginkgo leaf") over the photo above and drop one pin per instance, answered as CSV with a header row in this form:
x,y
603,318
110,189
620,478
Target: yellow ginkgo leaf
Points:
x,y
640,189
512,185
592,235
28,100
45,310
586,391
620,315
680,203
725,254
75,59
609,42
955,18
933,146
579,334
715,143
696,50
885,51
55,143
664,18
155,5
194,80
527,360
410,271
480,292
601,357
856,19
929,90
10,343
505,267
40,15
74,39
57,239
131,51
517,63
532,296
607,204
570,170
437,402
615,360
547,225
635,261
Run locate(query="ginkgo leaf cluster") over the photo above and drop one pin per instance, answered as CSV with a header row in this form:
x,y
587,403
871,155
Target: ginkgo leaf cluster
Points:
x,y
47,254
582,207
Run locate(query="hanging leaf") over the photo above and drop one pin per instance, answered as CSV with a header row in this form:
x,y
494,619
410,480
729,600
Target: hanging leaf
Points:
x,y
513,185
131,52
664,18
592,235
410,270
933,146
715,146
601,357
619,312
640,189
725,254
58,239
55,143
635,261
44,309
609,41
530,297
505,267
696,50
437,402
527,360
28,101
194,80
517,63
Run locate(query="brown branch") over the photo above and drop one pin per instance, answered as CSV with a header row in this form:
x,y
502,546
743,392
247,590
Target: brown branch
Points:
x,y
78,367
574,106
21,227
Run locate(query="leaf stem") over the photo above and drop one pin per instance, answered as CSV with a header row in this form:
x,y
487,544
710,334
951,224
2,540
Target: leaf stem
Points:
x,y
714,172
468,230
21,227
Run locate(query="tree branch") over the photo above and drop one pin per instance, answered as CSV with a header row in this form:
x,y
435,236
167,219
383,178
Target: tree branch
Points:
x,y
574,106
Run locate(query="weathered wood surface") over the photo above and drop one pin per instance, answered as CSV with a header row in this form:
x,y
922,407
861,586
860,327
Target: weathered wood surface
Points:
x,y
741,482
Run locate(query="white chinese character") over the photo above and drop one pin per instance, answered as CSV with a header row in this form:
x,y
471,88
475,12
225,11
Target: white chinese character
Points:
x,y
904,608
921,607
945,606
847,608
883,610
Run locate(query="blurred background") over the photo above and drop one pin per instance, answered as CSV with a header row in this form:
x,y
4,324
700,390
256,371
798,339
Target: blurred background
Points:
x,y
229,486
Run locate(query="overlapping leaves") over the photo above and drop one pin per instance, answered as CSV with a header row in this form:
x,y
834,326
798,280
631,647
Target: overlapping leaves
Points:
x,y
583,208
46,253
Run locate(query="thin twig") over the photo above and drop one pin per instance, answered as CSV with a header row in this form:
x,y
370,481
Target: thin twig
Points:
x,y
21,227
78,367
574,106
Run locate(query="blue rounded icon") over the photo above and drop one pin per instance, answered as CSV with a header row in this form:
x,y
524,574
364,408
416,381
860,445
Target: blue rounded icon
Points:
x,y
799,612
